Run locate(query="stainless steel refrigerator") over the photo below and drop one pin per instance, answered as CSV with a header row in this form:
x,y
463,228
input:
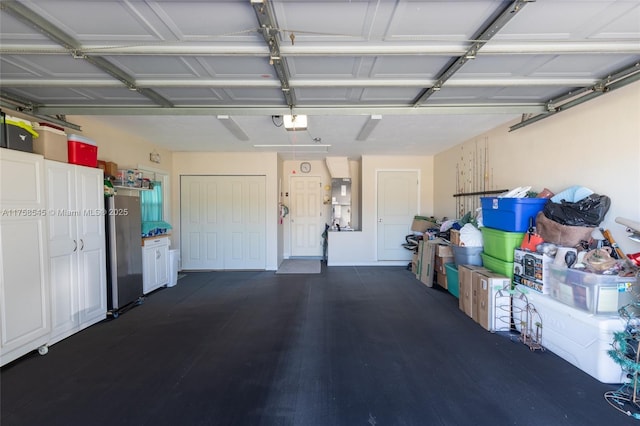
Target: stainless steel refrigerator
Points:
x,y
124,253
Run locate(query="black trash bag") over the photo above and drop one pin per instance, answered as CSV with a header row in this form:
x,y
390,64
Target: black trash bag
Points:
x,y
590,211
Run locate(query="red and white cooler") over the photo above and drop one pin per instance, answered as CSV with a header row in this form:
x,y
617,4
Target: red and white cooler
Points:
x,y
82,151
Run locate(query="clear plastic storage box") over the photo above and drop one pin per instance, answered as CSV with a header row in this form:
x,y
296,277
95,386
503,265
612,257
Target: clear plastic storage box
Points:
x,y
595,293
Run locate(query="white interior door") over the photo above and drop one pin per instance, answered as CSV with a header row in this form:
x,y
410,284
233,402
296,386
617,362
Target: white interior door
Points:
x,y
307,222
92,251
201,224
245,222
223,223
397,205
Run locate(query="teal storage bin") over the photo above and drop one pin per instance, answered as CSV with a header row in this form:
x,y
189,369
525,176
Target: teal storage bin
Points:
x,y
498,266
501,244
453,286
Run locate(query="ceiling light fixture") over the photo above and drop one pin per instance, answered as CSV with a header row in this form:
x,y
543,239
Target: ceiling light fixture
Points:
x,y
233,127
295,122
294,147
368,127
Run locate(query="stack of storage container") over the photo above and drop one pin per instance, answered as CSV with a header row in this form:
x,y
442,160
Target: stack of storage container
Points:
x,y
462,255
506,222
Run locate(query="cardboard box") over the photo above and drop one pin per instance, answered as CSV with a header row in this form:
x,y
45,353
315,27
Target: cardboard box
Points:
x,y
444,250
418,271
111,168
422,224
491,300
441,279
427,268
465,281
440,261
454,237
531,270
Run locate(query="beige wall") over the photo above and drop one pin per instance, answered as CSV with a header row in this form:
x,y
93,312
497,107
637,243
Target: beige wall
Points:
x,y
360,248
318,168
208,163
120,147
596,144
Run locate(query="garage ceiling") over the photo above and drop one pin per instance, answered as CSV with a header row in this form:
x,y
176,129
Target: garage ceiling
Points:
x,y
420,76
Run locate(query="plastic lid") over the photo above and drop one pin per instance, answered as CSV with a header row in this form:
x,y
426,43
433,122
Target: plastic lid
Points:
x,y
77,138
19,122
50,128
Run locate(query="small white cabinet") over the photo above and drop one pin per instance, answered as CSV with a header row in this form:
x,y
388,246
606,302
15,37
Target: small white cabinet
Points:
x,y
77,247
155,263
24,291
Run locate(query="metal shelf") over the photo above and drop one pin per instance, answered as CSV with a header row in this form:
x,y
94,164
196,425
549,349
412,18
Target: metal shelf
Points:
x,y
134,188
497,191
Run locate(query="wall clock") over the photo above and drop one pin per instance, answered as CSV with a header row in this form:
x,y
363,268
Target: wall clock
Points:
x,y
305,167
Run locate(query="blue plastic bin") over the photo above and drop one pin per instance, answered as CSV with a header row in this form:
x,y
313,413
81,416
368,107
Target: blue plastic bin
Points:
x,y
510,214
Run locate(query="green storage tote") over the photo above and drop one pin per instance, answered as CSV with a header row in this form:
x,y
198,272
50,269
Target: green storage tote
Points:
x,y
501,244
498,266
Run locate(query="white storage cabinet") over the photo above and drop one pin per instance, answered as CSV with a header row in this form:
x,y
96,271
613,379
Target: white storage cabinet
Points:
x,y
77,247
24,291
155,263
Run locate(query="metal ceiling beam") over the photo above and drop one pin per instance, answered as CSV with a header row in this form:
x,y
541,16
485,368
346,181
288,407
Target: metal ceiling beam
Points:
x,y
269,31
248,110
30,18
427,47
574,98
490,28
23,106
308,83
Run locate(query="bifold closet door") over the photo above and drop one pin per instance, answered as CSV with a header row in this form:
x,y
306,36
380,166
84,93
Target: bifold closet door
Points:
x,y
222,223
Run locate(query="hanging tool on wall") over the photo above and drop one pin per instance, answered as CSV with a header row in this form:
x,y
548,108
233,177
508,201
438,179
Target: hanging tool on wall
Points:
x,y
284,211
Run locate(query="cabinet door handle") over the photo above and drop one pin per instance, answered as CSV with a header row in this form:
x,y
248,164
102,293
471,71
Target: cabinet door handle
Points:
x,y
81,244
157,254
75,245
